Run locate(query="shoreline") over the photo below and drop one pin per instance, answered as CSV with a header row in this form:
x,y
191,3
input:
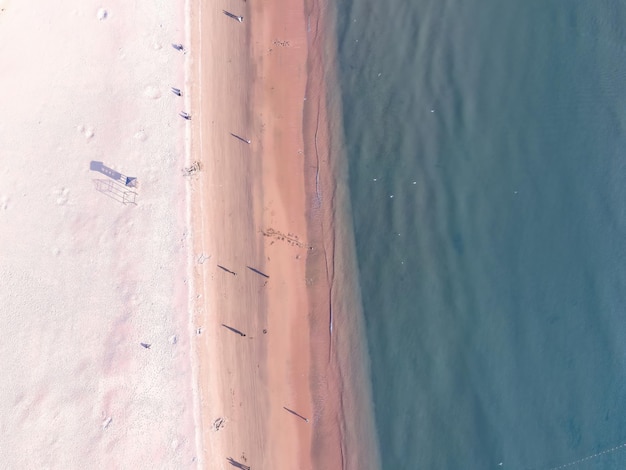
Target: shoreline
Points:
x,y
342,360
261,400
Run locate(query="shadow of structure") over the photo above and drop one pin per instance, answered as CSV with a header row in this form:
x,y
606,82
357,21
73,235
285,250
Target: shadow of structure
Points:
x,y
236,464
116,191
119,187
129,181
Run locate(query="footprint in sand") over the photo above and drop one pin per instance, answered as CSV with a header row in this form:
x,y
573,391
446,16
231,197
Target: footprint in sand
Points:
x,y
175,444
62,195
152,92
86,131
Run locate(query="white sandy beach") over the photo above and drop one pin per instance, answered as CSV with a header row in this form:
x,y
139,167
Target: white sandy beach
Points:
x,y
86,278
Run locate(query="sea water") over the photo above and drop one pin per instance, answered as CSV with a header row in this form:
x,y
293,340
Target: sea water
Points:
x,y
487,164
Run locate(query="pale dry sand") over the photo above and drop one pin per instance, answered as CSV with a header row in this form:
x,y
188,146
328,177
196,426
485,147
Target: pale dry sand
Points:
x,y
85,278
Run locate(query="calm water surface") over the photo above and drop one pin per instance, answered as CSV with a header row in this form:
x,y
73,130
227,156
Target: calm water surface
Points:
x,y
486,143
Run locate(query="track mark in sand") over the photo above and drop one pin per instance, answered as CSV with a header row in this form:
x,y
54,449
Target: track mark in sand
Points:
x,y
290,238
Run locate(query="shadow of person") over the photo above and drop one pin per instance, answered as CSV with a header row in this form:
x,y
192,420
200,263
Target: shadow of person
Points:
x,y
236,464
234,330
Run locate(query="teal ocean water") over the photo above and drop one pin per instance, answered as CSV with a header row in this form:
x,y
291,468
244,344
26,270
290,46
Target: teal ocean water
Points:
x,y
486,144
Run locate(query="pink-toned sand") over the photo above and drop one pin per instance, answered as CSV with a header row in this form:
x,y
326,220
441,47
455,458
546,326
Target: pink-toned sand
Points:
x,y
250,211
85,278
273,205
